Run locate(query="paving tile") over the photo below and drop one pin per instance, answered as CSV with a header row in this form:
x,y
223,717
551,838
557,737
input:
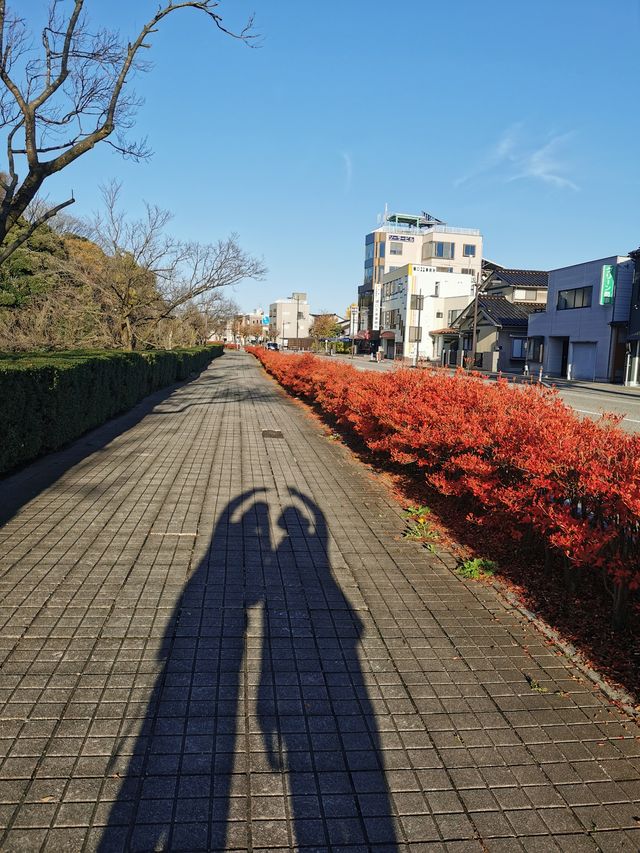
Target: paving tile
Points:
x,y
212,639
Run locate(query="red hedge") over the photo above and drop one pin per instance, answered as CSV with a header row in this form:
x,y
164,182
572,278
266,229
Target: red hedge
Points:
x,y
516,451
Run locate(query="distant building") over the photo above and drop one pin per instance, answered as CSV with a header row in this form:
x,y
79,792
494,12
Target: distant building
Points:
x,y
516,285
405,238
243,328
501,333
416,300
290,320
582,334
506,299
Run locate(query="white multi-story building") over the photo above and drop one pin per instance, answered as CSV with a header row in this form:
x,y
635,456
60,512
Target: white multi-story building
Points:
x,y
417,239
289,319
417,299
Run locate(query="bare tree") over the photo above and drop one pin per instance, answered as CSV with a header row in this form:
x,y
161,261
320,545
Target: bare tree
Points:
x,y
59,101
151,277
218,311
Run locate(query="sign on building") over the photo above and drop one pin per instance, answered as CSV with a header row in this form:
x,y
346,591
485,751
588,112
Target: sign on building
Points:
x,y
607,284
377,300
265,321
353,321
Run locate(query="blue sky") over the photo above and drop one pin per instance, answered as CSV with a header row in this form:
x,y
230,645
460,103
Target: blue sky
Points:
x,y
517,119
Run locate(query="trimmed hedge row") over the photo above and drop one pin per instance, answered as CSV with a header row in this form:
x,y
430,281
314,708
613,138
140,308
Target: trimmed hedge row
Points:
x,y
49,399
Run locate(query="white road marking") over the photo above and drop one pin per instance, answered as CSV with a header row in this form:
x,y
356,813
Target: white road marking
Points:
x,y
624,417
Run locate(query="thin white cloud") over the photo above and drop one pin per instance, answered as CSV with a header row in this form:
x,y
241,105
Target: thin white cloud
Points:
x,y
510,159
348,170
502,151
544,164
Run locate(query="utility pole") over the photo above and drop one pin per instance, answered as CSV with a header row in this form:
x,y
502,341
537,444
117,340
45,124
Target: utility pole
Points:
x,y
297,321
474,333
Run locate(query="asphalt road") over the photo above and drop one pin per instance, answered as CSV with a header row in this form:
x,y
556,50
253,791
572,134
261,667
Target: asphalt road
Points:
x,y
592,402
589,399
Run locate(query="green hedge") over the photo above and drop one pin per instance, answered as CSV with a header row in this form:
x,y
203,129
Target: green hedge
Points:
x,y
49,399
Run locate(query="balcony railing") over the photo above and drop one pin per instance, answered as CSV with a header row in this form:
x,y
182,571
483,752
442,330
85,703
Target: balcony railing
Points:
x,y
427,229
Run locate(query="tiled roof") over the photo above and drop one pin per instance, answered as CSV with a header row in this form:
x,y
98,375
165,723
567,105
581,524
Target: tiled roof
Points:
x,y
523,278
505,313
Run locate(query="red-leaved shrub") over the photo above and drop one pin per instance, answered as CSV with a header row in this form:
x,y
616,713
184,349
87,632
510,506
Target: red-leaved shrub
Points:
x,y
515,451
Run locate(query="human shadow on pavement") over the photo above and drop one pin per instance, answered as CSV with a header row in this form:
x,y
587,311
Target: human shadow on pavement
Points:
x,y
296,716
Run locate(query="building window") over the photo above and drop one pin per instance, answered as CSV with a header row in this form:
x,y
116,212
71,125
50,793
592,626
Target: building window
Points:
x,y
390,319
519,295
395,248
415,334
467,271
535,349
368,251
453,314
519,348
439,315
381,250
436,289
444,269
579,297
417,302
468,250
444,250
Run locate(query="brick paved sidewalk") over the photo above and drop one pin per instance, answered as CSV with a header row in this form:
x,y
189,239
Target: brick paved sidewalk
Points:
x,y
215,638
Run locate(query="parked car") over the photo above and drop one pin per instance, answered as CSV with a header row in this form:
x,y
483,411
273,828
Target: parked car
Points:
x,y
272,345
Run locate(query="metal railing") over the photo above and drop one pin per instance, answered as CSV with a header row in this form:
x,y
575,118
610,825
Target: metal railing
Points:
x,y
427,229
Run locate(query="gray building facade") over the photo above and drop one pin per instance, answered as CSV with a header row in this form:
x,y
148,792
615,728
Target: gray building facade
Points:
x,y
582,334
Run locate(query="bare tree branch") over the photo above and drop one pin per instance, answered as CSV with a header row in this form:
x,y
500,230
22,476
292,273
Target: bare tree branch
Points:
x,y
24,236
71,94
153,278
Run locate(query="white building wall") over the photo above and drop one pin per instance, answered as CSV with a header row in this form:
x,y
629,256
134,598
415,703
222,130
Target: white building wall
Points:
x,y
417,248
439,290
283,323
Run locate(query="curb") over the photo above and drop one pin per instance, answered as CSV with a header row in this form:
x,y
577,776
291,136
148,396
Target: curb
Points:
x,y
619,695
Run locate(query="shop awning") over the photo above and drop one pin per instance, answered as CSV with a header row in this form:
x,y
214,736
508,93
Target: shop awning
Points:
x,y
388,336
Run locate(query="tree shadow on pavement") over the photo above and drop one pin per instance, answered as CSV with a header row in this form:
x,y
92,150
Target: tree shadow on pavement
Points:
x,y
261,710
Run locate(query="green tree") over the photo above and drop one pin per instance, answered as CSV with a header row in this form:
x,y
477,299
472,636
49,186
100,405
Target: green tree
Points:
x,y
325,325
